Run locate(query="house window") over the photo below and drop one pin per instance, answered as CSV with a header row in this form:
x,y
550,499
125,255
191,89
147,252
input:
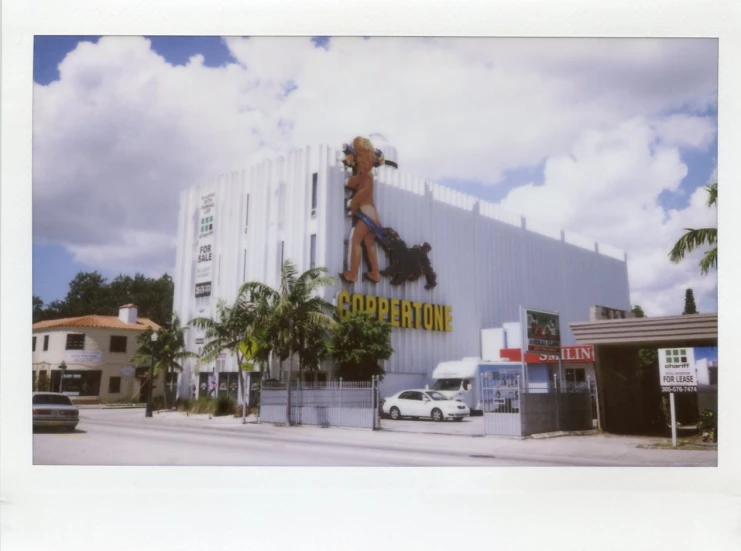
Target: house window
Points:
x,y
34,345
118,344
75,341
114,385
46,342
312,251
314,179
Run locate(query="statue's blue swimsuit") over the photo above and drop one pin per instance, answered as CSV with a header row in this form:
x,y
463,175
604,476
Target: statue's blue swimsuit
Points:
x,y
372,226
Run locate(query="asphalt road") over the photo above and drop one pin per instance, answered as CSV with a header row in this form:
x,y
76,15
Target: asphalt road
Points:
x,y
98,442
127,438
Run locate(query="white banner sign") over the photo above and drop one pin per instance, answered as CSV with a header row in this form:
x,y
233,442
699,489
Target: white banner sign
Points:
x,y
126,371
677,370
204,254
84,356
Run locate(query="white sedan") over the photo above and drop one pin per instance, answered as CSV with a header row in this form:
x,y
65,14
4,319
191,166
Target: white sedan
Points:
x,y
424,403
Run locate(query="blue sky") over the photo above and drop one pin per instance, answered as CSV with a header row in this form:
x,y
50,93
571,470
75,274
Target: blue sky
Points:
x,y
709,352
518,162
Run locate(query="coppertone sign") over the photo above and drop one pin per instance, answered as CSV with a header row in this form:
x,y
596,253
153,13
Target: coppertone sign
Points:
x,y
543,333
677,370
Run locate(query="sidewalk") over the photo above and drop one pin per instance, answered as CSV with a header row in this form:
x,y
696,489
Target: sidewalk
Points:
x,y
592,449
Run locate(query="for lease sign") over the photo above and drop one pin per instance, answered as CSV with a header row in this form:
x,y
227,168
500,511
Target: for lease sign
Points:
x,y
677,370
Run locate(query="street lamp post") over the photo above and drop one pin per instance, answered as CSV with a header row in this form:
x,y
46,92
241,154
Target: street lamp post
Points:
x,y
151,378
63,368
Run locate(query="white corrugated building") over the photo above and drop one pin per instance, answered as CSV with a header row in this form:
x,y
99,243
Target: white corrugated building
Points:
x,y
489,262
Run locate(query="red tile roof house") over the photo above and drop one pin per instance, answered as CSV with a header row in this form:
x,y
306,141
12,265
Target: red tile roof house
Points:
x,y
97,351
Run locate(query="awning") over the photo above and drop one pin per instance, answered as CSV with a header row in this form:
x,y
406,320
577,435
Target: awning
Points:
x,y
689,330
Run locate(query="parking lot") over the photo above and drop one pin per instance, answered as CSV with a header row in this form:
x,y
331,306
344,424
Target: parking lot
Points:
x,y
470,426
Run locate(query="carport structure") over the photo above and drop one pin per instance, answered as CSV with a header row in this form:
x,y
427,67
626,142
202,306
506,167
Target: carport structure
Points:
x,y
624,392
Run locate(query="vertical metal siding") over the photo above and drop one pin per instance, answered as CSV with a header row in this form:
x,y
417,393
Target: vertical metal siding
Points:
x,y
487,263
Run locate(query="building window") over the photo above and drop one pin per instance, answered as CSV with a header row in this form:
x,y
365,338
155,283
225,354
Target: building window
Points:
x,y
118,344
312,251
114,385
282,256
345,261
75,341
46,342
34,345
244,266
575,375
314,180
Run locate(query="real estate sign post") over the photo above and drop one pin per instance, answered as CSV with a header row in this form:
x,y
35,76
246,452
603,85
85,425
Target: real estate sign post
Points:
x,y
676,374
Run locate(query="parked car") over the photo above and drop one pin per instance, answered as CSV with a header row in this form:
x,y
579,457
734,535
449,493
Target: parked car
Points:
x,y
52,409
424,403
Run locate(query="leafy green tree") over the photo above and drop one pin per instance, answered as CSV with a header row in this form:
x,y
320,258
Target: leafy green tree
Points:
x,y
87,295
358,343
38,308
169,351
695,238
291,313
90,293
689,303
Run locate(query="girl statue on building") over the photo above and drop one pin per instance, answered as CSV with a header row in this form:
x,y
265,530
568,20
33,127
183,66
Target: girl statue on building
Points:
x,y
363,209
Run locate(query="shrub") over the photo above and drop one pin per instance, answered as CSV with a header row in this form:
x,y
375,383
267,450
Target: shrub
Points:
x,y
204,404
224,405
709,426
184,404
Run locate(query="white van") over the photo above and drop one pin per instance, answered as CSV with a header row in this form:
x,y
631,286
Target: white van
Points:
x,y
461,380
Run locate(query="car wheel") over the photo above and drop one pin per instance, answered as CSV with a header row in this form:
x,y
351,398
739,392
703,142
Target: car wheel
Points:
x,y
395,413
437,415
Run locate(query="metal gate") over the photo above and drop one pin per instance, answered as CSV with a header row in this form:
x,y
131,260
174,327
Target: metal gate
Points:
x,y
500,397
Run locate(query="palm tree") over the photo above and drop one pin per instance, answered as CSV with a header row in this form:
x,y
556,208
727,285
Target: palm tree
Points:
x,y
290,313
230,331
169,350
695,238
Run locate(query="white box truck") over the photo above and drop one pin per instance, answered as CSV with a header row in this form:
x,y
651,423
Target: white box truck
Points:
x,y
461,380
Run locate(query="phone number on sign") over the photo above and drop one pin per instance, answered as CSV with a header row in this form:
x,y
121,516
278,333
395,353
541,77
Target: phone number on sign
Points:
x,y
678,389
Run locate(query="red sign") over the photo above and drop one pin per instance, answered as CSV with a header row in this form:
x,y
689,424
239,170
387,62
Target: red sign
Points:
x,y
571,354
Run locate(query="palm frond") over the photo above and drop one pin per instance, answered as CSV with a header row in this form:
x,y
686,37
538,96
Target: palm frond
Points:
x,y
713,194
691,240
709,261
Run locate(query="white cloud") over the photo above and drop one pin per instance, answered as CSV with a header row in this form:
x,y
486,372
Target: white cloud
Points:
x,y
123,131
608,188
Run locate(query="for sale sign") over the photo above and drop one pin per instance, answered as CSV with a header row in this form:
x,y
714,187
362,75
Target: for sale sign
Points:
x,y
677,370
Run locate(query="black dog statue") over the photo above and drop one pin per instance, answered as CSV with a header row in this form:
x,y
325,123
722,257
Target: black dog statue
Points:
x,y
405,263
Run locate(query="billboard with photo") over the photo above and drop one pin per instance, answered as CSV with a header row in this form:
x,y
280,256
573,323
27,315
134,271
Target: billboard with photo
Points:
x,y
542,332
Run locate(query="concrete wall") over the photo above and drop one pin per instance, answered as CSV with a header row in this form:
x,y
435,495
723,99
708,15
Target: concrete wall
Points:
x,y
96,339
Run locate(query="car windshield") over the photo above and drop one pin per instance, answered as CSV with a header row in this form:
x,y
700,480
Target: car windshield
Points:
x,y
52,399
437,396
447,384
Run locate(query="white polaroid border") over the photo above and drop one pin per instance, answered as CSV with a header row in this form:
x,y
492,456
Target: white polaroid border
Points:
x,y
354,508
